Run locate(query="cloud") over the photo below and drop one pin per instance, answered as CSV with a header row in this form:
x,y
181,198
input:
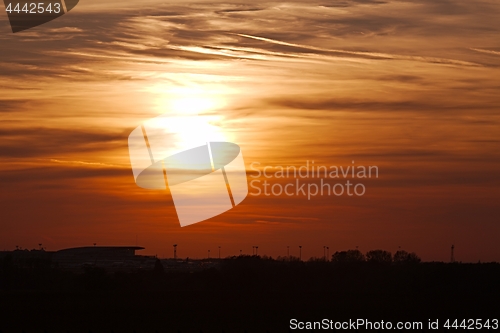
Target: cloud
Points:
x,y
10,105
184,30
57,175
341,105
40,141
238,8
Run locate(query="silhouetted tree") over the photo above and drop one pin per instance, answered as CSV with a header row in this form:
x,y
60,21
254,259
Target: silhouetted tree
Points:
x,y
316,259
158,270
403,257
348,256
380,256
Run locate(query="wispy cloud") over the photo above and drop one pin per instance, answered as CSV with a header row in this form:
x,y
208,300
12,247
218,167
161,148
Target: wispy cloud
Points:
x,y
38,141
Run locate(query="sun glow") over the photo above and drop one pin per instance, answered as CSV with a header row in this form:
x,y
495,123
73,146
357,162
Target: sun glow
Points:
x,y
187,100
184,132
189,117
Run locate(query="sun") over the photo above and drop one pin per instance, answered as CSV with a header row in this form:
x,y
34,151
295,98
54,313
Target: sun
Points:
x,y
190,116
187,100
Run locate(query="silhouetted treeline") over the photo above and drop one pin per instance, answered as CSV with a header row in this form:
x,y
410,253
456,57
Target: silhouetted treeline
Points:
x,y
376,256
244,293
347,268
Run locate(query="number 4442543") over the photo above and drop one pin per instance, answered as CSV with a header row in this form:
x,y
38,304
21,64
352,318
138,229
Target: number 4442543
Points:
x,y
472,324
34,8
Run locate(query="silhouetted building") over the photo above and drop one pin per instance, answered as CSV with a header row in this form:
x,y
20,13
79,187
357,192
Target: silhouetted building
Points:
x,y
102,256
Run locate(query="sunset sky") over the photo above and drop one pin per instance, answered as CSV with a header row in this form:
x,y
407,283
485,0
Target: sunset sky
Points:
x,y
412,87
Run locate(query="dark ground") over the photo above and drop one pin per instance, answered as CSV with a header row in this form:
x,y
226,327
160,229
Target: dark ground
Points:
x,y
244,294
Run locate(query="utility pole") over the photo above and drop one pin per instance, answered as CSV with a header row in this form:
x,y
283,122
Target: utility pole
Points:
x,y
452,260
175,251
328,253
300,252
256,250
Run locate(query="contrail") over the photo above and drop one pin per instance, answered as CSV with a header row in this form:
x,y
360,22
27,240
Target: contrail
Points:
x,y
486,51
366,54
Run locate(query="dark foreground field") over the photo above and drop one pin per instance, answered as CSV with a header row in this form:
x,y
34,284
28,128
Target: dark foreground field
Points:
x,y
243,294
